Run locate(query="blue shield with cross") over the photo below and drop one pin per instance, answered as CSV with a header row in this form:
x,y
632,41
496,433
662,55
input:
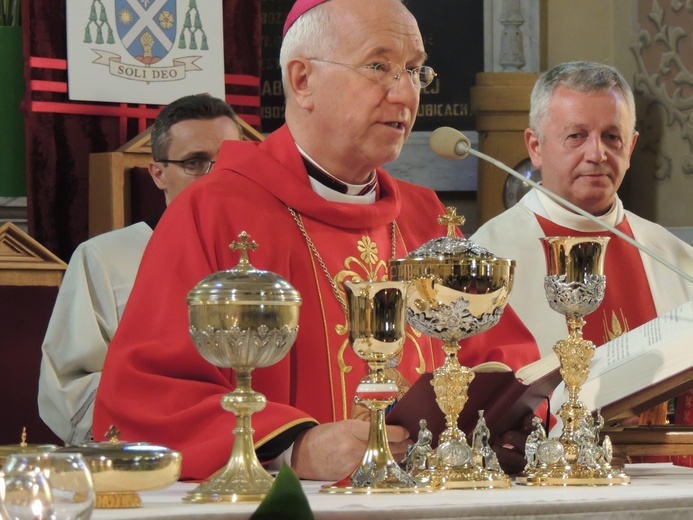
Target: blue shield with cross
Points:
x,y
147,28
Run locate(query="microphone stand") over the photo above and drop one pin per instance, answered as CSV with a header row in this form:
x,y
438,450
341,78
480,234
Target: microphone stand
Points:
x,y
464,147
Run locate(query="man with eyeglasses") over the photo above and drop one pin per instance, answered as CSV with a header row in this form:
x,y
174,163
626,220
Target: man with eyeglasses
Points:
x,y
185,139
314,197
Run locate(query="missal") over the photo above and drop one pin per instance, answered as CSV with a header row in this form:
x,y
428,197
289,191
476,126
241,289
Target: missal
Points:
x,y
505,396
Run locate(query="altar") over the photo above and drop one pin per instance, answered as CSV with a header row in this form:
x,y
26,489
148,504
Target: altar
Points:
x,y
661,491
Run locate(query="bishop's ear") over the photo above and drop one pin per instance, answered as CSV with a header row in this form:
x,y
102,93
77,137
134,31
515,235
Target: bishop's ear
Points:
x,y
299,72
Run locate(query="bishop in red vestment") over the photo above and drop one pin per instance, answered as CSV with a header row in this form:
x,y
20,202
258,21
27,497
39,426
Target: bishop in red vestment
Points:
x,y
156,387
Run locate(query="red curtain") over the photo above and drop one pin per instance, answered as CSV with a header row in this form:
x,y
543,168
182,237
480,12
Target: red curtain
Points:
x,y
61,134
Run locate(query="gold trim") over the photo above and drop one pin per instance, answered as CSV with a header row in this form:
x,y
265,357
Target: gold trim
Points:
x,y
284,429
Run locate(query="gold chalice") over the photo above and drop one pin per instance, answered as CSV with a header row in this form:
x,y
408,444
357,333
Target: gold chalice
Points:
x,y
377,331
458,289
243,318
574,285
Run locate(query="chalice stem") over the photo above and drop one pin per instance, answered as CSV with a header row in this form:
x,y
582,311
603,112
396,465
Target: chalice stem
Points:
x,y
451,383
377,455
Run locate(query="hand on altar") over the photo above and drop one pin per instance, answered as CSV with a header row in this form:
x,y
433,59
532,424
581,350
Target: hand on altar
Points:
x,y
510,447
332,451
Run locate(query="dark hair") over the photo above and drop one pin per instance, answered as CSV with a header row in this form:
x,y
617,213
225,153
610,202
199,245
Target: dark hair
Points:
x,y
198,106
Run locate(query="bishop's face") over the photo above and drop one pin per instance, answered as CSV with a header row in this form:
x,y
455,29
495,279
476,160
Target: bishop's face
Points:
x,y
367,122
585,147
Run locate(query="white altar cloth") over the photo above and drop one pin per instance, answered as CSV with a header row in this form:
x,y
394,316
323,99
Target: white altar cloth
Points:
x,y
661,491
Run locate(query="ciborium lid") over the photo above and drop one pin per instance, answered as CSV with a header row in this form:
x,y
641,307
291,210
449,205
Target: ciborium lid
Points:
x,y
454,281
450,246
244,284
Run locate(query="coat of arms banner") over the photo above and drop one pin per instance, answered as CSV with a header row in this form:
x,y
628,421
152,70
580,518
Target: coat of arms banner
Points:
x,y
144,51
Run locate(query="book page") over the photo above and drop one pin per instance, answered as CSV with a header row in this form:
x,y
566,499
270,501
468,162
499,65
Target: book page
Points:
x,y
491,366
649,336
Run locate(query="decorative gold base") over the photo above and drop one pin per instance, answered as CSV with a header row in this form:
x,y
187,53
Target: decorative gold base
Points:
x,y
467,476
117,500
345,487
574,476
247,483
206,498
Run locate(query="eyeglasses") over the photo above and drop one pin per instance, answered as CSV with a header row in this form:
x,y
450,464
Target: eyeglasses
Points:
x,y
194,166
390,73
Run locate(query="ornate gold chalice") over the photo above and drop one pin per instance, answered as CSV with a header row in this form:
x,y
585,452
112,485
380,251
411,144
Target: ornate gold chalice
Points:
x,y
243,318
574,285
458,289
377,332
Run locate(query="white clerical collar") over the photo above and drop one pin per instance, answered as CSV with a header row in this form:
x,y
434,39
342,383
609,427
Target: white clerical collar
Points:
x,y
568,218
354,192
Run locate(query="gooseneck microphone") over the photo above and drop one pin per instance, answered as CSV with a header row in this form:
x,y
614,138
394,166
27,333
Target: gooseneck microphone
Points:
x,y
453,144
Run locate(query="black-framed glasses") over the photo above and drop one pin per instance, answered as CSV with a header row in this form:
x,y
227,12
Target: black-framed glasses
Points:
x,y
194,166
388,73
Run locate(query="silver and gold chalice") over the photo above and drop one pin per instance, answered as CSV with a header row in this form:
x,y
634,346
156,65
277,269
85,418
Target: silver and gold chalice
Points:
x,y
377,330
243,318
574,286
458,289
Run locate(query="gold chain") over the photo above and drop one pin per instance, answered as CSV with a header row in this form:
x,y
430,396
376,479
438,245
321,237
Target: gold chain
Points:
x,y
299,222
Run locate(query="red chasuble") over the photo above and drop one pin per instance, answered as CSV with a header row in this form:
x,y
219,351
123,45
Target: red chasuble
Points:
x,y
157,388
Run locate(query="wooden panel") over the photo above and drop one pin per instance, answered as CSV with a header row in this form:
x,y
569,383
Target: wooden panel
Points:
x,y
500,102
29,279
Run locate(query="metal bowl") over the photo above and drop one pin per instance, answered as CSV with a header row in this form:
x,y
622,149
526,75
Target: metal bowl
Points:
x,y
121,469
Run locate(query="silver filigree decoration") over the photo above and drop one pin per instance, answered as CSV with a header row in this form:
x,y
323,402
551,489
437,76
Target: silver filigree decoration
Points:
x,y
452,322
450,246
574,298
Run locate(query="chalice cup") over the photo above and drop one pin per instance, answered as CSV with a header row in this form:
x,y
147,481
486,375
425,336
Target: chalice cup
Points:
x,y
243,319
574,286
377,330
458,289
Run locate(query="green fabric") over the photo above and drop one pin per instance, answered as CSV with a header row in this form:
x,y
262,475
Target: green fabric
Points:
x,y
285,500
12,141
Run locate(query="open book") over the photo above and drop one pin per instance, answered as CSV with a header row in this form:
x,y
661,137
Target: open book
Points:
x,y
505,396
640,369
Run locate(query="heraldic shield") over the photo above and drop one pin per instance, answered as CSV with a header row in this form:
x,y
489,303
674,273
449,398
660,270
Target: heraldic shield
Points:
x,y
147,28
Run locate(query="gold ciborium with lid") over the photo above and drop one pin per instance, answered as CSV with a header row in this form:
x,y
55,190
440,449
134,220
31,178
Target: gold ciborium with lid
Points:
x,y
243,318
458,289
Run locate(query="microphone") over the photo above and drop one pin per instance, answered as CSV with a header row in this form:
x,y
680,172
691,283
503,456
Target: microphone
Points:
x,y
450,143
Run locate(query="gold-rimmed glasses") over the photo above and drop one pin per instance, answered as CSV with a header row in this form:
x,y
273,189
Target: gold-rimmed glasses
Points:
x,y
388,73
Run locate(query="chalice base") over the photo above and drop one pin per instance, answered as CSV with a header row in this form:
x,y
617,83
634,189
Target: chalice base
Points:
x,y
566,475
250,485
467,476
392,484
378,471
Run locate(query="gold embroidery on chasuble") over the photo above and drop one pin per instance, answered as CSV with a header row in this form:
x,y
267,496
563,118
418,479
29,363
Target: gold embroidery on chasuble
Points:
x,y
614,327
366,266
